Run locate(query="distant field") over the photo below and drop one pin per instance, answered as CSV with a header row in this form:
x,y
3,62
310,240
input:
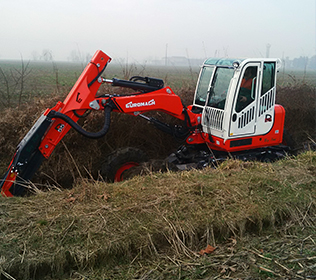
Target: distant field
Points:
x,y
294,76
47,77
51,77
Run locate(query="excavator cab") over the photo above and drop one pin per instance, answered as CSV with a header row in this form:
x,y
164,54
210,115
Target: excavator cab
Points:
x,y
237,101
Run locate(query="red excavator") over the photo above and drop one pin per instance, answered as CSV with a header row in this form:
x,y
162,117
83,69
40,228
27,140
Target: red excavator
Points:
x,y
233,114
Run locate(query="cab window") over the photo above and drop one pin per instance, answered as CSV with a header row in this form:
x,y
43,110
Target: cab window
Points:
x,y
203,86
219,87
247,90
268,77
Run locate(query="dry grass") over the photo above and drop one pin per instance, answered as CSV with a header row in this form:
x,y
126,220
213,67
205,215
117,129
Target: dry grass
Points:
x,y
127,131
167,216
299,99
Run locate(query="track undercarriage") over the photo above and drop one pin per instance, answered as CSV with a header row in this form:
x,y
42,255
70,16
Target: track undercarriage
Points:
x,y
198,157
128,162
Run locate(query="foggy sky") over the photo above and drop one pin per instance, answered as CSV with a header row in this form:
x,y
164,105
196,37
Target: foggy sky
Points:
x,y
147,29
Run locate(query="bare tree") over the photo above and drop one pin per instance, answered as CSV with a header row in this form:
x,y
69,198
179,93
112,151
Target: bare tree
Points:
x,y
47,55
35,55
12,84
55,69
5,89
21,77
79,57
74,56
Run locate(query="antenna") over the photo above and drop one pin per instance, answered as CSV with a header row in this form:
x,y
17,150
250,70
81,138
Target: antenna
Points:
x,y
205,55
268,50
166,55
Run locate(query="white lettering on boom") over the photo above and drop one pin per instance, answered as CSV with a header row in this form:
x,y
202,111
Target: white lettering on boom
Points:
x,y
140,104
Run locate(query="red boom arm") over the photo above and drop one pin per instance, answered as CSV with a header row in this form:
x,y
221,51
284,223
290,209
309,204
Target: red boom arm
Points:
x,y
53,125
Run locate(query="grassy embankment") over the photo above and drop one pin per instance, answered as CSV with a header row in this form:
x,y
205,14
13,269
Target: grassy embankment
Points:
x,y
157,224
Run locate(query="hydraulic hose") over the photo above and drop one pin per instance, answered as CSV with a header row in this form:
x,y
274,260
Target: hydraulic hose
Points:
x,y
79,129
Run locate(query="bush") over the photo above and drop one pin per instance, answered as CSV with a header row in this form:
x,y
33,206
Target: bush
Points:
x,y
298,100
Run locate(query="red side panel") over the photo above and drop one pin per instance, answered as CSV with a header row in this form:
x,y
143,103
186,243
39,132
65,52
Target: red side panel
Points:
x,y
272,138
82,94
160,100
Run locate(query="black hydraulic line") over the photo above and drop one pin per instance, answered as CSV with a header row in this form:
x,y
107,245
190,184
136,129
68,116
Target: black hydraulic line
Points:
x,y
79,129
138,78
99,74
162,126
136,85
178,132
83,115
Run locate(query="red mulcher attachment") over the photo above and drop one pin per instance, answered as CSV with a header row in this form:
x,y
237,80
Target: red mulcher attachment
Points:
x,y
53,125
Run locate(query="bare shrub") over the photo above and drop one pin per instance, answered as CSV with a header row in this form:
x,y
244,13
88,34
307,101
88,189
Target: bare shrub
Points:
x,y
12,84
298,99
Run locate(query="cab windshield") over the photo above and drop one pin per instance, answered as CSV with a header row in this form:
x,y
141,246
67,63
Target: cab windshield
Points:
x,y
219,87
203,86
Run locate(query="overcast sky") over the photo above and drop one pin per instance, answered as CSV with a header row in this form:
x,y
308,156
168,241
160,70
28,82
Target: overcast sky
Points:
x,y
146,29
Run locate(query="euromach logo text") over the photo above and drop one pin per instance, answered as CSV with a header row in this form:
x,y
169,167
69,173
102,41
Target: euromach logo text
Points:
x,y
140,104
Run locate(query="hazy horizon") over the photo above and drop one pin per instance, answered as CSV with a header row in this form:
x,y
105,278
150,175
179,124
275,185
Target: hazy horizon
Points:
x,y
147,30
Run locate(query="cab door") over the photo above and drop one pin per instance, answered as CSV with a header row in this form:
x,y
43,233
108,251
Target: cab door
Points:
x,y
245,104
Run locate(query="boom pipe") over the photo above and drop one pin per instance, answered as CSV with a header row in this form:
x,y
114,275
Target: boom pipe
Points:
x,y
79,129
135,85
